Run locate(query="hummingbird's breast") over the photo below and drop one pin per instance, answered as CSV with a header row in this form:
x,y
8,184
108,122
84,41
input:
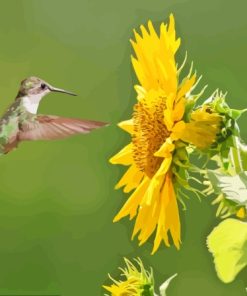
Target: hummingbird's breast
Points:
x,y
9,126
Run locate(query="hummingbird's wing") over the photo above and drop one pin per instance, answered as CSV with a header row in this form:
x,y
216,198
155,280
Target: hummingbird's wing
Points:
x,y
49,127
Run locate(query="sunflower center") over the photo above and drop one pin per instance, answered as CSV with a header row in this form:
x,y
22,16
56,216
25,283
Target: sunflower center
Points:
x,y
150,133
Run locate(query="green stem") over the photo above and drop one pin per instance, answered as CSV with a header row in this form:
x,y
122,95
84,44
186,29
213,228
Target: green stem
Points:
x,y
148,292
236,159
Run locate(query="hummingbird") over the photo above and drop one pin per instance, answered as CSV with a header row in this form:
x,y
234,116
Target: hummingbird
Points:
x,y
22,123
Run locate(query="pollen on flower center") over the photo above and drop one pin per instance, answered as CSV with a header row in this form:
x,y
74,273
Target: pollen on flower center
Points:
x,y
150,133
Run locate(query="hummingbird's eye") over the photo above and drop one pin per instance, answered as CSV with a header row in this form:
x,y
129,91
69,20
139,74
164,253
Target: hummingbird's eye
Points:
x,y
43,85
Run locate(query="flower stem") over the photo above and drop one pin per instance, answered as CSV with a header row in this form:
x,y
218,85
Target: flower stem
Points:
x,y
235,156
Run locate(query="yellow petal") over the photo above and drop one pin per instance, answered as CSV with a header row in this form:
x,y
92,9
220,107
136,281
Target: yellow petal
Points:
x,y
203,116
152,30
124,156
168,219
173,220
109,288
179,109
133,202
156,182
169,112
201,131
164,167
153,191
200,135
166,149
186,86
168,119
141,92
145,222
155,64
127,126
139,71
161,232
178,130
131,179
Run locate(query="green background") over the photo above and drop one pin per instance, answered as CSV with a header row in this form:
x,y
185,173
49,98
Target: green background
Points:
x,y
56,198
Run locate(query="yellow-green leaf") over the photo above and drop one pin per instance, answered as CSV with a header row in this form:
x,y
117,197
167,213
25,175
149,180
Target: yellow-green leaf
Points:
x,y
228,244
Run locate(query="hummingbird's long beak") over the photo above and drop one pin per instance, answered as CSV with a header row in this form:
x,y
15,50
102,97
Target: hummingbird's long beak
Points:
x,y
55,89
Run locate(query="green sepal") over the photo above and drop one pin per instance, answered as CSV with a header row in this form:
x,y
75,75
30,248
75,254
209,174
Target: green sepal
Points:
x,y
165,285
235,114
243,155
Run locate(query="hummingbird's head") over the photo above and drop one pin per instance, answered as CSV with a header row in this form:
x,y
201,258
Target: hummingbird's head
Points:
x,y
33,89
34,86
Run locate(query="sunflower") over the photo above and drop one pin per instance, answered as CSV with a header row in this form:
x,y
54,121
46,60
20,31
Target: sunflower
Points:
x,y
136,281
164,123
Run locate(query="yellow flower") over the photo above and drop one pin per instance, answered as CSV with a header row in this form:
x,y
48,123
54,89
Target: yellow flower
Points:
x,y
158,127
129,287
136,281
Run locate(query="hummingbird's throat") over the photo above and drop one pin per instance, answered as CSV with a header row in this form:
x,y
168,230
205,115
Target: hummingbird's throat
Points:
x,y
31,102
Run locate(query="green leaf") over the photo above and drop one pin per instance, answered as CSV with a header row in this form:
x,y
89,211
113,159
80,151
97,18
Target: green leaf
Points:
x,y
166,284
228,244
233,187
243,155
235,114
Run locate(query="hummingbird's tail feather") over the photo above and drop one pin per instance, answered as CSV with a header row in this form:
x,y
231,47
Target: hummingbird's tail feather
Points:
x,y
12,144
49,127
